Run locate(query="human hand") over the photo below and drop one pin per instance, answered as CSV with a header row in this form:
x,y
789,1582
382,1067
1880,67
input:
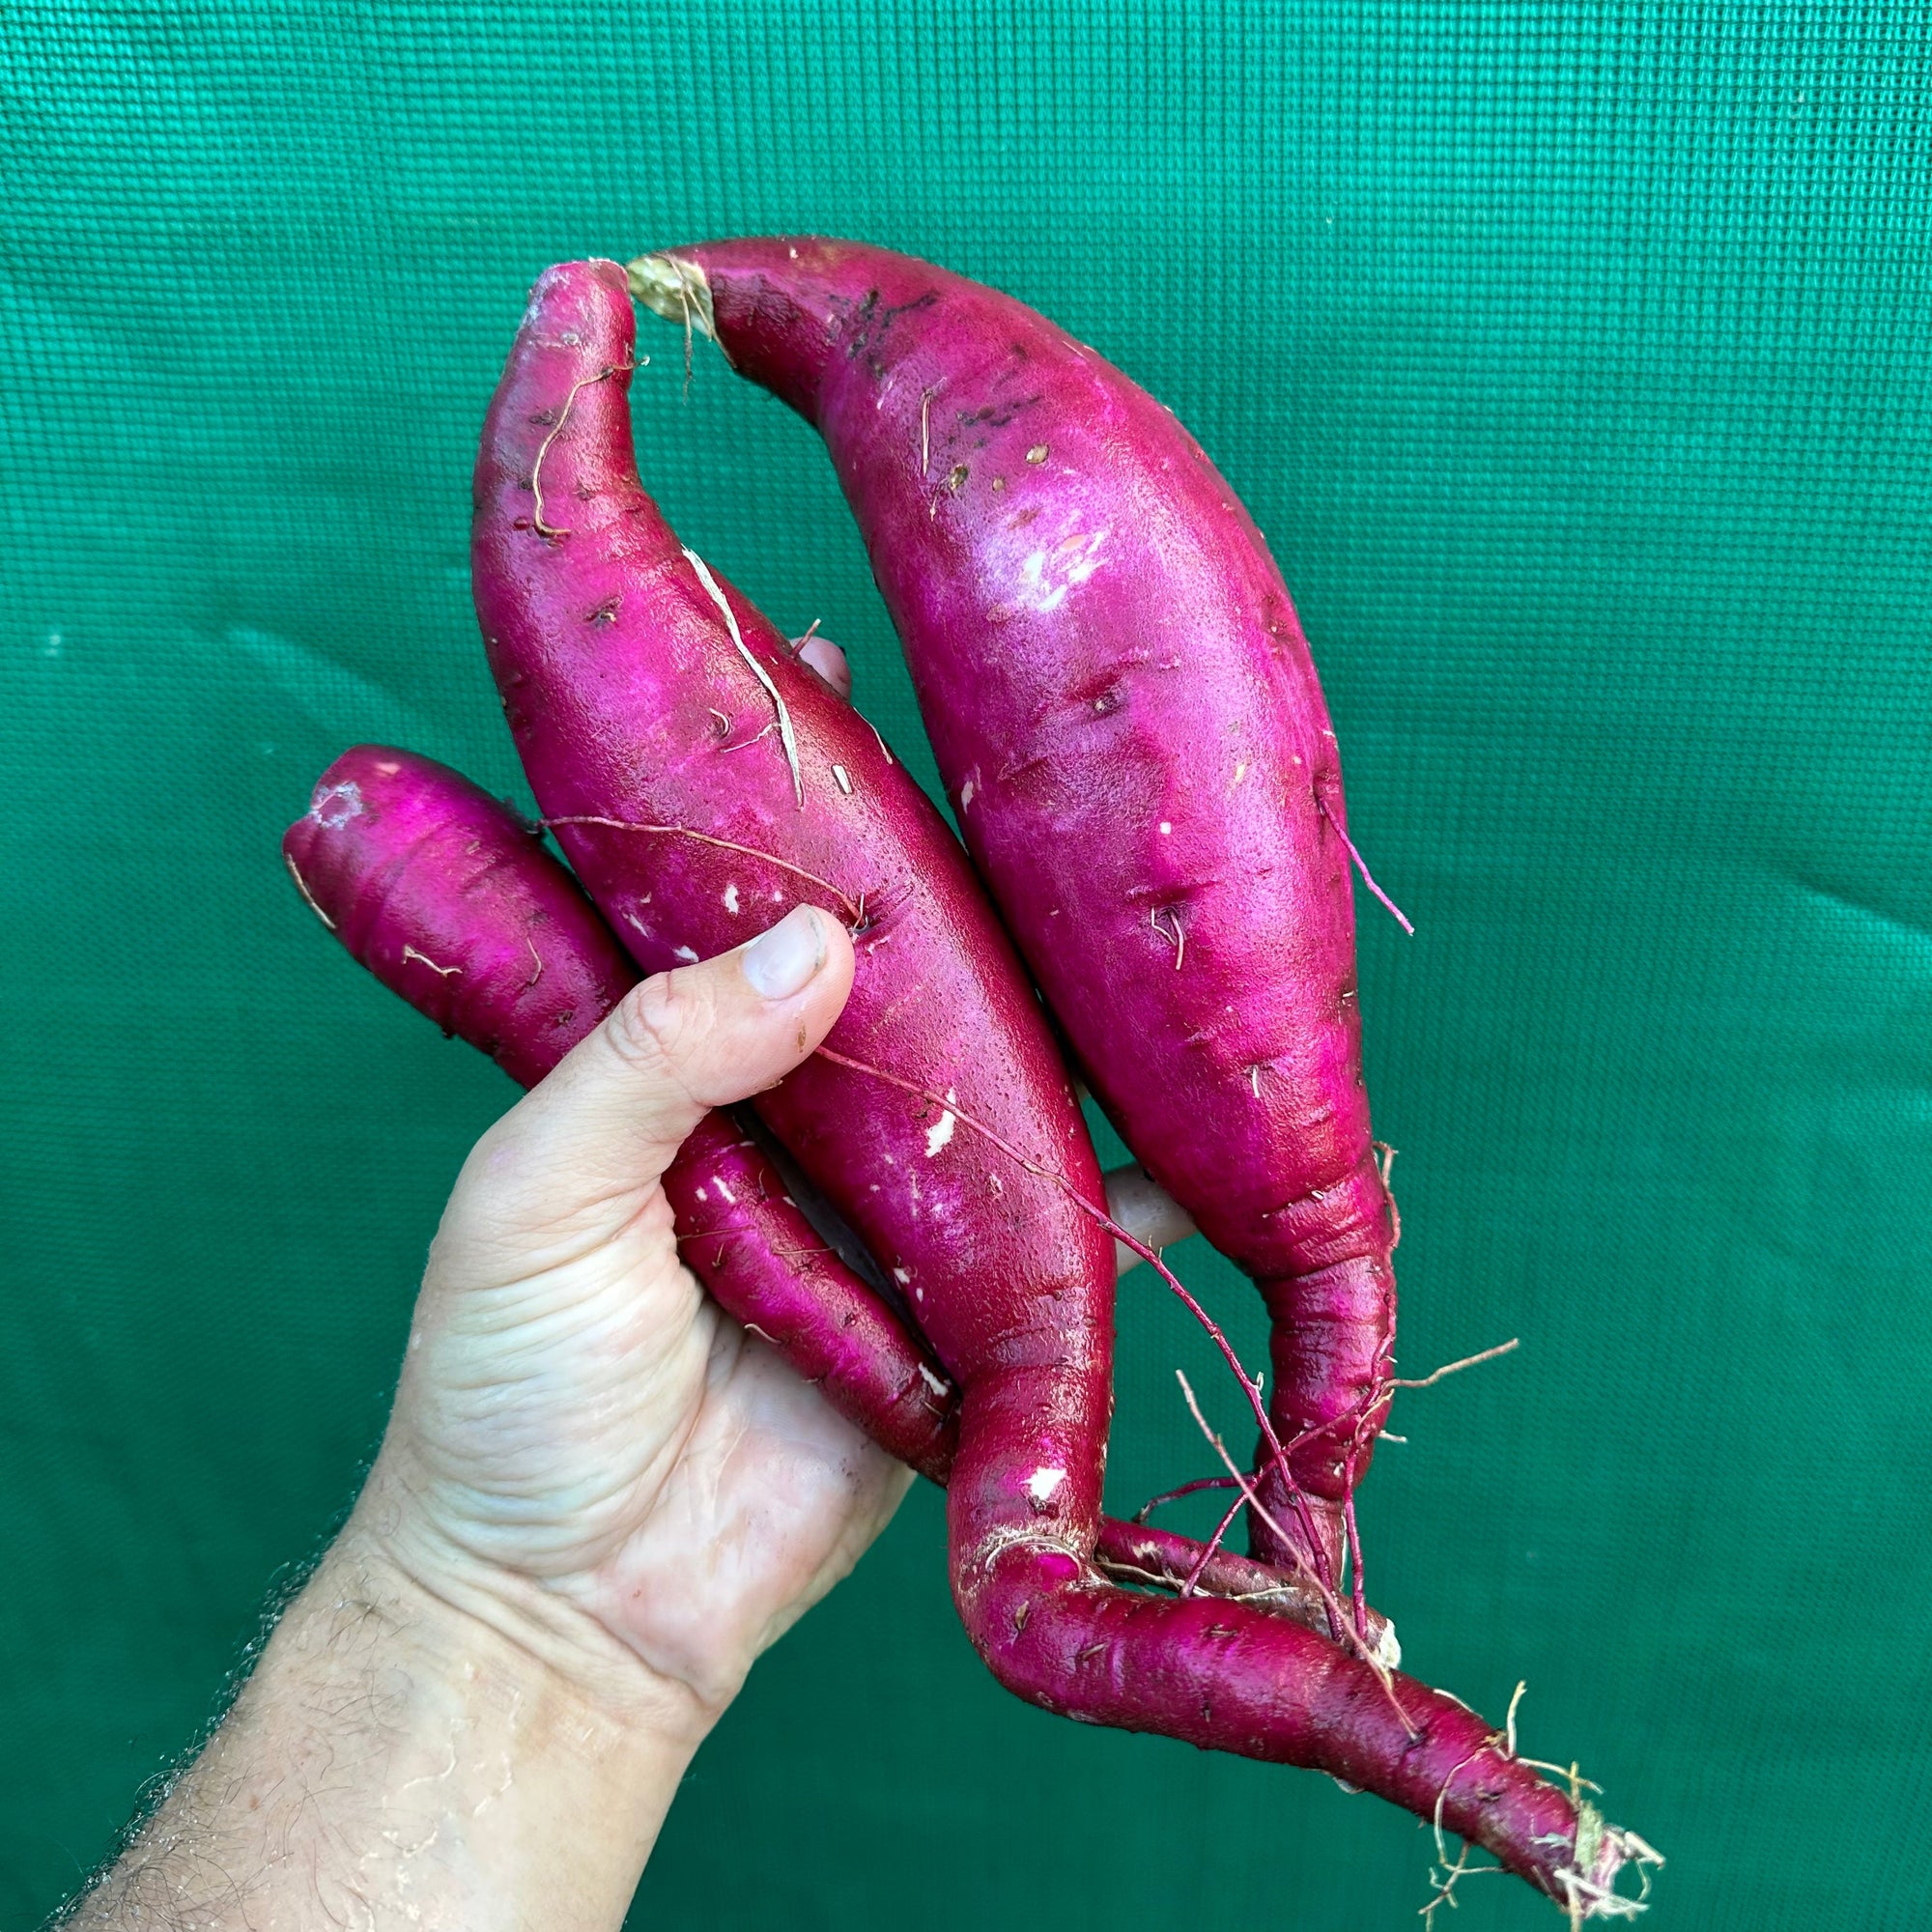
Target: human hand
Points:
x,y
598,1500
583,1445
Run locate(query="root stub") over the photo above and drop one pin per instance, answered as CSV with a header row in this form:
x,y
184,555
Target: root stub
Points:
x,y
679,291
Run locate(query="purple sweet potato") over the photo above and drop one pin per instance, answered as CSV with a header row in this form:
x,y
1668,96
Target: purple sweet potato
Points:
x,y
701,783
1131,729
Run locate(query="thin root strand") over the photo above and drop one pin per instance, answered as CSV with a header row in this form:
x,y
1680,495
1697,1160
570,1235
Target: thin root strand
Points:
x,y
308,897
1339,1623
1453,1368
541,528
1153,1503
854,913
758,671
1367,878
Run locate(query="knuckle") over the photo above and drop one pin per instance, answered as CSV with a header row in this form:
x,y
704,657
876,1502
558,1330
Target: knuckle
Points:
x,y
654,1029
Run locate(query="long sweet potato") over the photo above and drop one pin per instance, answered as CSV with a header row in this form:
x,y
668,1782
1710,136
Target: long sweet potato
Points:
x,y
1131,729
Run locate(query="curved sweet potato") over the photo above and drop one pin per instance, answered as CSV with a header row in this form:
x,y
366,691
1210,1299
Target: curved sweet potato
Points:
x,y
1130,728
454,904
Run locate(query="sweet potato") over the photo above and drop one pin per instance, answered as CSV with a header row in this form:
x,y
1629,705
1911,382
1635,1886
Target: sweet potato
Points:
x,y
1130,729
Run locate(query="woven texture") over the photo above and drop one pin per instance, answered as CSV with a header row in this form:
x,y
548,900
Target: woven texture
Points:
x,y
1576,359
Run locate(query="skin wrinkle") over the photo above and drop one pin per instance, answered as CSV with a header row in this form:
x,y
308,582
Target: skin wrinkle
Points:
x,y
643,1224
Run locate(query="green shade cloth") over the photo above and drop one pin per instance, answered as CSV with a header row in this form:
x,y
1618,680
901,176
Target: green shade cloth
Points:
x,y
1575,359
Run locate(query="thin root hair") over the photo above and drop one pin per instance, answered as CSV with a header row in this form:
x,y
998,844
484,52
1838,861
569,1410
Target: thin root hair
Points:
x,y
1367,878
854,912
1435,1375
541,528
758,671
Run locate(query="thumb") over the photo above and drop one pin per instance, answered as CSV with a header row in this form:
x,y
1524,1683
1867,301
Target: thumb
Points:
x,y
581,1151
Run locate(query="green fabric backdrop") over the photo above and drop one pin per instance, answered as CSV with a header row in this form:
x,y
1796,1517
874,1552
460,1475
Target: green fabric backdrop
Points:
x,y
1575,357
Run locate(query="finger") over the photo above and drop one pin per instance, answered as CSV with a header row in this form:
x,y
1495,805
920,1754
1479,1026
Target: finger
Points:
x,y
593,1139
1147,1211
829,662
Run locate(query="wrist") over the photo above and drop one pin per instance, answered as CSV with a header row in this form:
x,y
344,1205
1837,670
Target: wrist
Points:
x,y
465,1613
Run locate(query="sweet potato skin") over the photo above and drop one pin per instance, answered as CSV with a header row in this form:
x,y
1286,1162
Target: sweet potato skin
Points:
x,y
1131,729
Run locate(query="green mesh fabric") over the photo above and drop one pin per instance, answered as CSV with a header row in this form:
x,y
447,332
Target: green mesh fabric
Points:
x,y
1575,359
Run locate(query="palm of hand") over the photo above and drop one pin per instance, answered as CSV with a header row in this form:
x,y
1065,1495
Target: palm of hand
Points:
x,y
574,1412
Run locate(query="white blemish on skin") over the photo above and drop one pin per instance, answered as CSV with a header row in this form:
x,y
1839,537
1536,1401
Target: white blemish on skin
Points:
x,y
1042,1484
685,953
700,1193
337,804
902,1276
1166,829
940,1132
844,783
1047,576
967,790
938,1384
731,1198
730,898
389,768
1240,771
632,918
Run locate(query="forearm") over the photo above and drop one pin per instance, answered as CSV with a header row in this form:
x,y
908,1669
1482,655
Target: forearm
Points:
x,y
397,1760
